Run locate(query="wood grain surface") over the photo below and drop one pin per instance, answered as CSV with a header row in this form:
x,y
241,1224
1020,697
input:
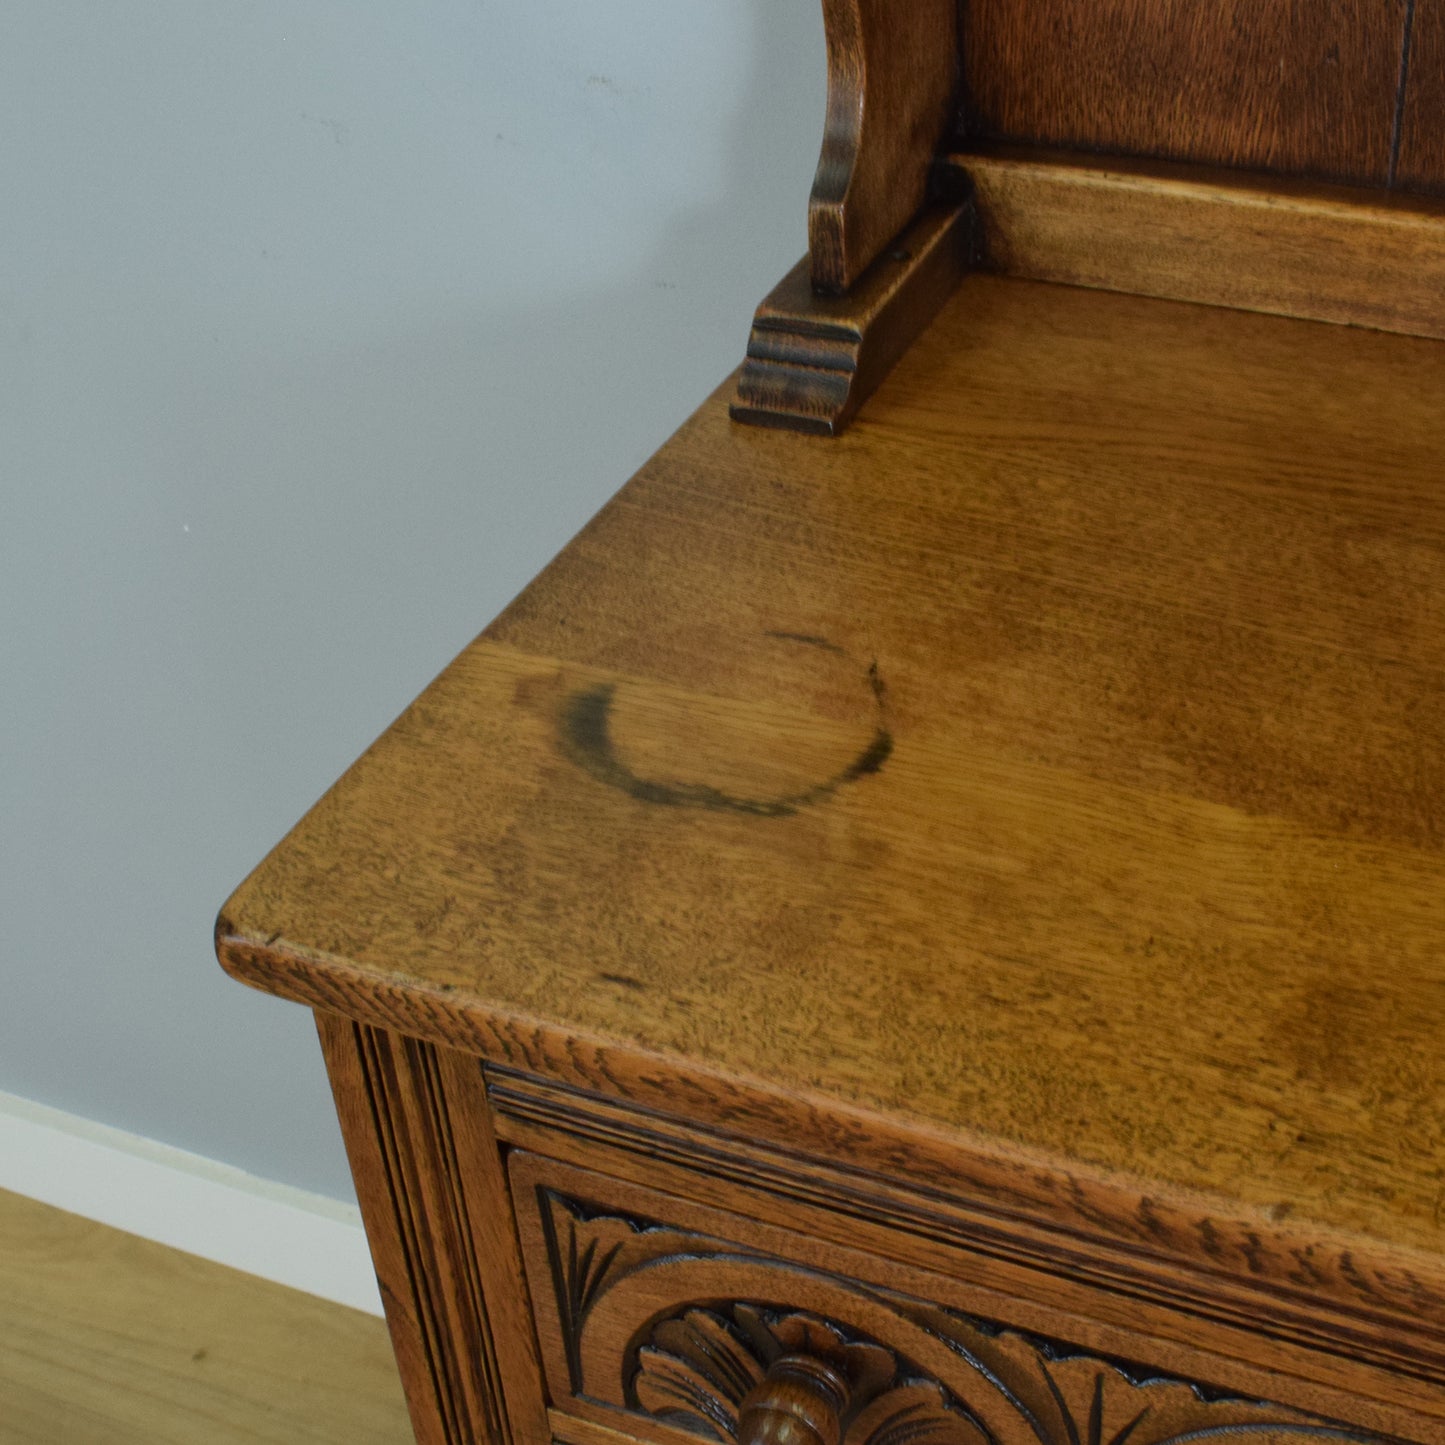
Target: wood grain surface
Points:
x,y
1224,238
892,82
106,1339
1302,86
1421,160
1045,783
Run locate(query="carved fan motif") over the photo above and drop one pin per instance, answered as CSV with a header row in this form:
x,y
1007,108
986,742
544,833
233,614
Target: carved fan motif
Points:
x,y
849,1364
698,1369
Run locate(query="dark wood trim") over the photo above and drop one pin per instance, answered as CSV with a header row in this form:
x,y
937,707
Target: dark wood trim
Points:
x,y
892,78
813,360
1419,160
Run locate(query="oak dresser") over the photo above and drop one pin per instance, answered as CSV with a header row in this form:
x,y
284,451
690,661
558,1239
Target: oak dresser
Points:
x,y
925,925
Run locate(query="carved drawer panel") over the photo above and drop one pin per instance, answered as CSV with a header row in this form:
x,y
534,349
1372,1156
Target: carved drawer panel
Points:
x,y
666,1331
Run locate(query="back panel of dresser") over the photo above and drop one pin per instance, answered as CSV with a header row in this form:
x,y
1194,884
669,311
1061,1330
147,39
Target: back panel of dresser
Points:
x,y
1347,92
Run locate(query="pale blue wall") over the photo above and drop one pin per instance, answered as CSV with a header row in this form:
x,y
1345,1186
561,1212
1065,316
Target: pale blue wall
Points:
x,y
322,326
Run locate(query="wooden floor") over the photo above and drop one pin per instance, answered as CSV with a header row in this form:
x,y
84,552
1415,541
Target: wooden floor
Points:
x,y
106,1339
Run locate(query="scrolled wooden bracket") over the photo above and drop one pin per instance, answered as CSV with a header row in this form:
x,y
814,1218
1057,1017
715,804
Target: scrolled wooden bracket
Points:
x,y
885,247
892,82
813,360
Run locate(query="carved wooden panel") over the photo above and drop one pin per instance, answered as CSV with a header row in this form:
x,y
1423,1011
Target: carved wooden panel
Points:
x,y
742,1348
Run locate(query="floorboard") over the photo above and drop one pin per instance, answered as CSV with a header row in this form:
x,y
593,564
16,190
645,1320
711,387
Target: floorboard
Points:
x,y
106,1339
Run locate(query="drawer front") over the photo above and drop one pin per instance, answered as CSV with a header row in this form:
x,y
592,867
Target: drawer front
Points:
x,y
669,1321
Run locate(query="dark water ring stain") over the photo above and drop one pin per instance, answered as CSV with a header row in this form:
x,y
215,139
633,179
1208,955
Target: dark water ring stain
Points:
x,y
586,737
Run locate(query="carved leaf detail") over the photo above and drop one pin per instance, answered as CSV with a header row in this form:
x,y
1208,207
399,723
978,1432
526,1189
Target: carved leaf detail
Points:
x,y
698,1367
1108,1408
918,1413
983,1383
1068,1398
868,1367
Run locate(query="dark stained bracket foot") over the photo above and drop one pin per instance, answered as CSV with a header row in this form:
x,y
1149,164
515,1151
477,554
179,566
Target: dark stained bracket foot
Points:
x,y
813,360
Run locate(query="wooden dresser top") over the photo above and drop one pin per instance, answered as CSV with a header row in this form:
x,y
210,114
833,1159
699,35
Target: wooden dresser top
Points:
x,y
1054,764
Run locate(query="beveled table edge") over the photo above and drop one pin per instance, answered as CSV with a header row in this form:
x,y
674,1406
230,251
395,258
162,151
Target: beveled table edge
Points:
x,y
1331,1286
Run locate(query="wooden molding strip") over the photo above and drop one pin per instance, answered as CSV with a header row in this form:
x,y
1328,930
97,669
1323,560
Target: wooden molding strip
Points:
x,y
813,360
1254,243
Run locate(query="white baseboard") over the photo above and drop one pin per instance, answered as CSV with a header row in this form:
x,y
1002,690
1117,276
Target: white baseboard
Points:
x,y
183,1200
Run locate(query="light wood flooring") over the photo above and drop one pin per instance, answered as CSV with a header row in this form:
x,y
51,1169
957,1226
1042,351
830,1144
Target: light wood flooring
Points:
x,y
106,1339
